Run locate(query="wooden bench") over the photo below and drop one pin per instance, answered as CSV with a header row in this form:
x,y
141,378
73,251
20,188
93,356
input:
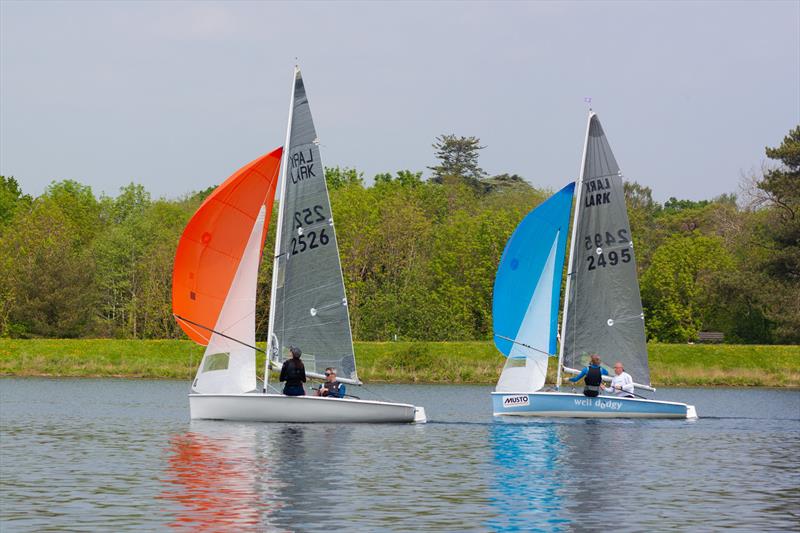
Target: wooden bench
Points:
x,y
710,336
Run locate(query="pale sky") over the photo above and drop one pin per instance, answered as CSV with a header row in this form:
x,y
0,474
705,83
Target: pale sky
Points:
x,y
178,95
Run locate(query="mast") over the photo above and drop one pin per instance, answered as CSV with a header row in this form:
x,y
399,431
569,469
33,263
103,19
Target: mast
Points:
x,y
278,234
570,261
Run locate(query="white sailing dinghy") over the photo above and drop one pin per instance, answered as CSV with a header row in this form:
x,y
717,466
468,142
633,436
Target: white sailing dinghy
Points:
x,y
602,305
215,282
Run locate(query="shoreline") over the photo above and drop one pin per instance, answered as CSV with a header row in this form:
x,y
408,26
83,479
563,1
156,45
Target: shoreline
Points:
x,y
457,363
379,382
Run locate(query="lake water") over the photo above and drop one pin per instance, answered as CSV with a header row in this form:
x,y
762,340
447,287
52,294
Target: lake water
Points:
x,y
122,454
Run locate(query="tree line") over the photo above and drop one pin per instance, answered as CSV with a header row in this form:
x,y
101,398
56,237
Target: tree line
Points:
x,y
418,255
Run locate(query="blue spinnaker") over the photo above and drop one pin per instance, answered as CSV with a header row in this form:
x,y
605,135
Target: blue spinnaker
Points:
x,y
528,281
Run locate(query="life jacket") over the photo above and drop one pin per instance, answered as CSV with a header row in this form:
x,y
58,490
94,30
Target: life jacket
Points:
x,y
593,378
333,389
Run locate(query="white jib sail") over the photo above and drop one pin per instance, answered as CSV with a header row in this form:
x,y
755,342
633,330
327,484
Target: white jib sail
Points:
x,y
526,367
229,366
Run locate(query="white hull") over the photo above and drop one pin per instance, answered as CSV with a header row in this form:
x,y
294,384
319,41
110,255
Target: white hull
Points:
x,y
279,408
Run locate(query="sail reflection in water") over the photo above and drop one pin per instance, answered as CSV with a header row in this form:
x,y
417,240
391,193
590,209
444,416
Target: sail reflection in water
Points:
x,y
211,477
527,483
251,477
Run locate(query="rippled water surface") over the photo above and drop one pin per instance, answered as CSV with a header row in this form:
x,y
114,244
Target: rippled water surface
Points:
x,y
121,454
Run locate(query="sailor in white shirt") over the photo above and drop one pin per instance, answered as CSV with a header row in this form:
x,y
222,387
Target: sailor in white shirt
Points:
x,y
621,383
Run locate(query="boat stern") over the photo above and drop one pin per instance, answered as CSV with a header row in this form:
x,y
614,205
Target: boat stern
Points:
x,y
419,415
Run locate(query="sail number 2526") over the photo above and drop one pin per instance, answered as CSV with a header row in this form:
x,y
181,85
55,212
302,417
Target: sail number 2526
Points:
x,y
312,238
308,241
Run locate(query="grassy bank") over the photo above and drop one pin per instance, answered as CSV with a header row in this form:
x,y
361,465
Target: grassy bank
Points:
x,y
423,362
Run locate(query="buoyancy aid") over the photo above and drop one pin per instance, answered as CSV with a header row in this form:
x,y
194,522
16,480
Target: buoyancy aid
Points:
x,y
593,378
332,388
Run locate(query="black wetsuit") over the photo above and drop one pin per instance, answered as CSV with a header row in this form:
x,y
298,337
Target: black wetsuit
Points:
x,y
293,372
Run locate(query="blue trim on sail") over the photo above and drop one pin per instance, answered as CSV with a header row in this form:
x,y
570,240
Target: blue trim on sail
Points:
x,y
523,263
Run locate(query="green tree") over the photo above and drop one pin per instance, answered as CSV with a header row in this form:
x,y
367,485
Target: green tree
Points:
x,y
118,252
677,288
163,222
642,212
458,157
674,205
11,198
777,231
79,205
337,177
780,189
405,178
48,274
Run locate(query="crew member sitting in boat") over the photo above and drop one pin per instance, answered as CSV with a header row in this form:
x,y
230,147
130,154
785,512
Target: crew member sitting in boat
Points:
x,y
592,377
621,383
331,388
293,372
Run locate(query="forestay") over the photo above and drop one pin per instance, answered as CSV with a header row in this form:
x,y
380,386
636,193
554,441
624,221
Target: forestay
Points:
x,y
526,293
604,313
310,303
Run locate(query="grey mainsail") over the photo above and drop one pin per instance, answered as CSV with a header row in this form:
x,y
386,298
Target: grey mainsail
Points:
x,y
604,307
310,306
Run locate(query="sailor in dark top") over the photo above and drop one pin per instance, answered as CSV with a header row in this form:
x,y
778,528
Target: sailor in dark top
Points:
x,y
331,388
592,376
293,372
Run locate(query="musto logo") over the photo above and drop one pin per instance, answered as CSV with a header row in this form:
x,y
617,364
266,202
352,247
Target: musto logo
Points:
x,y
516,401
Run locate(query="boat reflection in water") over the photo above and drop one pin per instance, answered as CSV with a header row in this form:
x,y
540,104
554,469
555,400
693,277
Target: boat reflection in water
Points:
x,y
528,479
607,466
547,474
252,477
218,475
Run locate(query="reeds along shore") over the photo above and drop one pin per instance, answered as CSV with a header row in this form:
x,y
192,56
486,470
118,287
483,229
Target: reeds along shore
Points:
x,y
397,362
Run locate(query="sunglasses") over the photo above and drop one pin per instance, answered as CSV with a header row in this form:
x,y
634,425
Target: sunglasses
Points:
x,y
329,373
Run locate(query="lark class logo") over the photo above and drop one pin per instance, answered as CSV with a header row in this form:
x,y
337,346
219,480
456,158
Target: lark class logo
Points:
x,y
301,166
516,401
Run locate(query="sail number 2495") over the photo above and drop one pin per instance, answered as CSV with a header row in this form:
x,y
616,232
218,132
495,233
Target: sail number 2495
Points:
x,y
603,259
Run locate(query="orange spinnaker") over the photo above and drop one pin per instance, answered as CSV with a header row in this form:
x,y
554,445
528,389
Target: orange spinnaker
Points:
x,y
214,240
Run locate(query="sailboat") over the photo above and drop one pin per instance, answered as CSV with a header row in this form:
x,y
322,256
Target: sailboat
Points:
x,y
215,280
602,304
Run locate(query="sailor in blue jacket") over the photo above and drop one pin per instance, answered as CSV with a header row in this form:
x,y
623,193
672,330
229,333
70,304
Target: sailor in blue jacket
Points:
x,y
331,388
592,377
